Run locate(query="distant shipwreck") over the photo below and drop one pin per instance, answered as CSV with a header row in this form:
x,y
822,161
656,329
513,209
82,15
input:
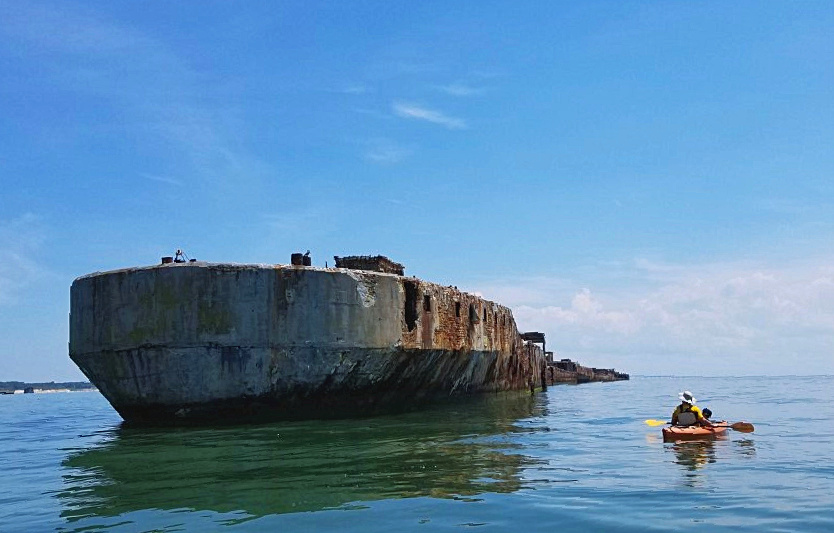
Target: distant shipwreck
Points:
x,y
188,341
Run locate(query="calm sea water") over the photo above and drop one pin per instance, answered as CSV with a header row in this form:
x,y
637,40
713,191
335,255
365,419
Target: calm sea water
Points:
x,y
574,458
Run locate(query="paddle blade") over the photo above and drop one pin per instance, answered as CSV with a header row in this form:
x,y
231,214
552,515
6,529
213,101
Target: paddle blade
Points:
x,y
653,422
744,427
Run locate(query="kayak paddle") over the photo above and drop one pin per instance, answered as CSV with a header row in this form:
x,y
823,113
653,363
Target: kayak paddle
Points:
x,y
743,427
653,422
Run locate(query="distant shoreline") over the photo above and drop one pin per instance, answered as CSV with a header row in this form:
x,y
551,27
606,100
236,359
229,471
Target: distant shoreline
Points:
x,y
21,387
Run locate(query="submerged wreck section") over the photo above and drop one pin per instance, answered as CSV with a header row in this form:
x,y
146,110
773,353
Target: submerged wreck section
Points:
x,y
197,341
567,371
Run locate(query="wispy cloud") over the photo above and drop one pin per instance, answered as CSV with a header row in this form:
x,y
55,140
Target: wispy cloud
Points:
x,y
488,73
386,152
459,89
145,79
357,88
67,31
376,114
20,240
161,179
412,68
299,224
413,111
785,206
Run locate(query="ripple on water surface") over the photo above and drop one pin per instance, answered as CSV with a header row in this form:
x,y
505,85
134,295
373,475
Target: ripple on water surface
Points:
x,y
575,457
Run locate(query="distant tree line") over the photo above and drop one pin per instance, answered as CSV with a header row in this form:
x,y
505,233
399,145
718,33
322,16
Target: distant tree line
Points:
x,y
71,385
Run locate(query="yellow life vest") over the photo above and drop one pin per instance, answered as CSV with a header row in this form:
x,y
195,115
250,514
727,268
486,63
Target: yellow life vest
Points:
x,y
687,415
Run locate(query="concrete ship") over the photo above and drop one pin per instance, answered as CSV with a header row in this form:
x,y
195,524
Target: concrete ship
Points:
x,y
184,342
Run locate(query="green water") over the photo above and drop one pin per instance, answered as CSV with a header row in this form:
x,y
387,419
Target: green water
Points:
x,y
576,458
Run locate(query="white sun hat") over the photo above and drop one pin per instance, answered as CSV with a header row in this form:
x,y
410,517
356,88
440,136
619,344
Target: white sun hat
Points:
x,y
687,397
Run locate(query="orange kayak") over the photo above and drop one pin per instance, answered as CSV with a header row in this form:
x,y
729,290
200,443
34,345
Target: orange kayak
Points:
x,y
675,433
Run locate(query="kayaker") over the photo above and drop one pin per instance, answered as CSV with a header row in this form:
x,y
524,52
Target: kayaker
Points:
x,y
687,413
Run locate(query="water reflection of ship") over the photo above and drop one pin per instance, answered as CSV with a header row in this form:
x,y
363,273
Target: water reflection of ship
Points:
x,y
450,451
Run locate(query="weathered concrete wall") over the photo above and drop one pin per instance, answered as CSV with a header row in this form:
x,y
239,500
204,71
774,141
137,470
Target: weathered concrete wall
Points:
x,y
198,304
176,337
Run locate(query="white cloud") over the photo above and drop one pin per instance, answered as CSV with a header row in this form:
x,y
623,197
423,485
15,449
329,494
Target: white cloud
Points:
x,y
355,89
384,151
736,317
784,206
413,111
299,225
66,31
585,311
161,179
145,79
20,240
373,113
459,89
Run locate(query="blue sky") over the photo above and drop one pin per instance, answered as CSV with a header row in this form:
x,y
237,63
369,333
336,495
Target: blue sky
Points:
x,y
649,183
